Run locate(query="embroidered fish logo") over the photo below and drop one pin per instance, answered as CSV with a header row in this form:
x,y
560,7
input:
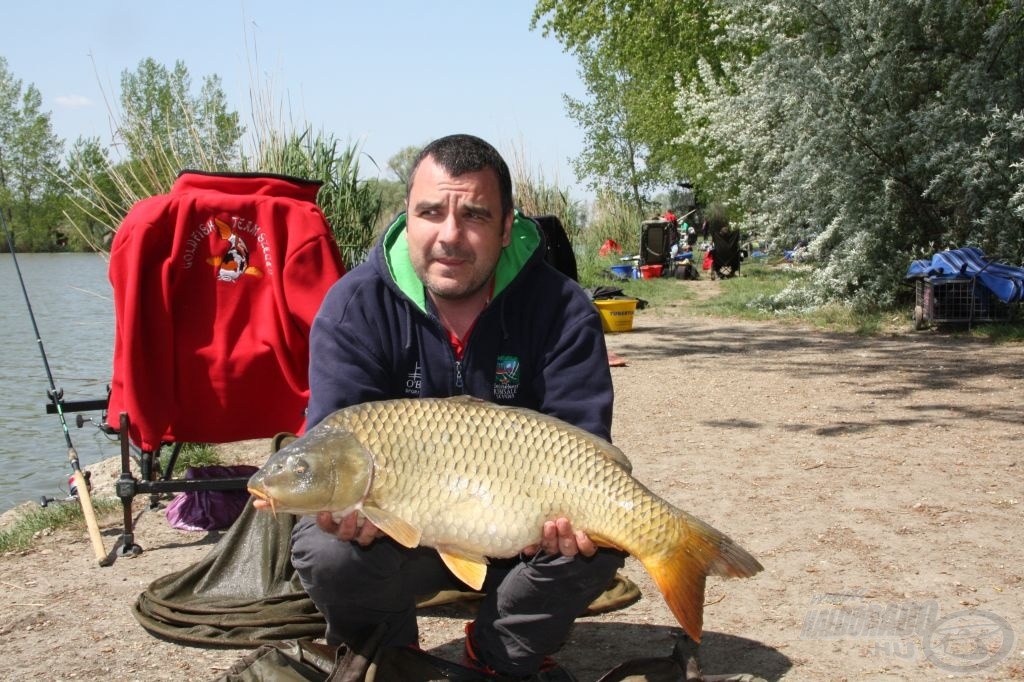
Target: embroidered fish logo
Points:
x,y
234,262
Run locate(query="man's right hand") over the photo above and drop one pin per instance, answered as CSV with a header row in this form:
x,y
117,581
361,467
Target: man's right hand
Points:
x,y
352,527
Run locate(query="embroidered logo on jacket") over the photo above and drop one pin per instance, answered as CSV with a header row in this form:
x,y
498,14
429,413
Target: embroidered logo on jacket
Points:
x,y
506,377
230,253
233,262
414,381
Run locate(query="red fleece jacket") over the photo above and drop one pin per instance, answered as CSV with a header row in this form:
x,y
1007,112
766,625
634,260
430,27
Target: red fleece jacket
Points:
x,y
215,287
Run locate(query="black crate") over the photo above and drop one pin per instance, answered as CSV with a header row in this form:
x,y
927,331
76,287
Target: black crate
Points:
x,y
956,301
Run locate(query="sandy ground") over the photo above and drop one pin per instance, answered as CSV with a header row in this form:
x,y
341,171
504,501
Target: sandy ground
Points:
x,y
878,480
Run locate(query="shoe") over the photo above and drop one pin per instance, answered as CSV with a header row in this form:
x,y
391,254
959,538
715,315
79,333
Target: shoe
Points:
x,y
550,670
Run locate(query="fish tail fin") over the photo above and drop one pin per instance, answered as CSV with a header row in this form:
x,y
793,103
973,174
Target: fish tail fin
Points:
x,y
681,572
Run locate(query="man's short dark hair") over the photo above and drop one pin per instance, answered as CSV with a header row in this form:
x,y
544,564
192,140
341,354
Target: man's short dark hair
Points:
x,y
460,154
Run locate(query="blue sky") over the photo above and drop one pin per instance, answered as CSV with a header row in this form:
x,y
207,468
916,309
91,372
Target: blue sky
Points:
x,y
386,74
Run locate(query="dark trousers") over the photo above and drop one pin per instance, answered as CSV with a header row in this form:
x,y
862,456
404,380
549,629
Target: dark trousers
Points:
x,y
529,607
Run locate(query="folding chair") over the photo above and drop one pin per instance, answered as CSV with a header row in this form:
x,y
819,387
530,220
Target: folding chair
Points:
x,y
726,253
215,288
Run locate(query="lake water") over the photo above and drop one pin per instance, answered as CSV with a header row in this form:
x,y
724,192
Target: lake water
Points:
x,y
72,302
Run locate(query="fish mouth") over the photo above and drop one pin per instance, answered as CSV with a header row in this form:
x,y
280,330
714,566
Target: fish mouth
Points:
x,y
262,495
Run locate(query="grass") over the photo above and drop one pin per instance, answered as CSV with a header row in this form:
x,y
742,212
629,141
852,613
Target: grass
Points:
x,y
195,455
20,535
758,281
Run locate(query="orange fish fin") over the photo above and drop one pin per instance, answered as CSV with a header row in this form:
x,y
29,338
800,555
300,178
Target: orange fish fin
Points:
x,y
399,530
223,229
601,541
468,568
215,261
253,271
681,571
681,582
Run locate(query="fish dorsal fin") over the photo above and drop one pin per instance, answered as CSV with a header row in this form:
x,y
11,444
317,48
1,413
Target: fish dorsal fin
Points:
x,y
398,529
470,569
470,399
608,450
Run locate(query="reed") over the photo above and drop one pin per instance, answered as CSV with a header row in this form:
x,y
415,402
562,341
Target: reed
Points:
x,y
535,195
144,161
614,217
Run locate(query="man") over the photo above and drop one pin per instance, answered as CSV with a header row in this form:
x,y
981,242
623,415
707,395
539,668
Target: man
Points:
x,y
456,298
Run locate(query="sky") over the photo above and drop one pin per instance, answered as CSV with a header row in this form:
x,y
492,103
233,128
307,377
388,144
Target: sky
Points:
x,y
385,74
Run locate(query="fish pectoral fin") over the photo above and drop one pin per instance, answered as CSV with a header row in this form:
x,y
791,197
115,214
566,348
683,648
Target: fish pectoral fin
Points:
x,y
468,568
398,529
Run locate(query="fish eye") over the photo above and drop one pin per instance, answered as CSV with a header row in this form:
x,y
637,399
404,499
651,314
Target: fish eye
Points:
x,y
300,467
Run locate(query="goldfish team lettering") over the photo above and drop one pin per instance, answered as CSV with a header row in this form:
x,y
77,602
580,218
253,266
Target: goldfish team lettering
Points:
x,y
238,225
194,239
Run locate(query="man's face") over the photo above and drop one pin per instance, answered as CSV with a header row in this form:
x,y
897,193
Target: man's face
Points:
x,y
455,229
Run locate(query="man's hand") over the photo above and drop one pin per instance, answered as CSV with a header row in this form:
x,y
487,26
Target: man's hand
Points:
x,y
558,537
352,527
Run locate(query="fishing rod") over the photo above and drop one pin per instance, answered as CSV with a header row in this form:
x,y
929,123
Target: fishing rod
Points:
x,y
56,397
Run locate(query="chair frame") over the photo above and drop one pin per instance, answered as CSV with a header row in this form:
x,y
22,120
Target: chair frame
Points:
x,y
153,480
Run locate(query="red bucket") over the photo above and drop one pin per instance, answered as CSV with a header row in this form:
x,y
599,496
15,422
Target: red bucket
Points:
x,y
650,271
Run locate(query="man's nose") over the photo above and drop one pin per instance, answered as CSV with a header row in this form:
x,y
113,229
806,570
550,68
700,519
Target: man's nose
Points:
x,y
450,229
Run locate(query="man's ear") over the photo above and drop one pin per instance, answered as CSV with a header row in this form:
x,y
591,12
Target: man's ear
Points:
x,y
506,229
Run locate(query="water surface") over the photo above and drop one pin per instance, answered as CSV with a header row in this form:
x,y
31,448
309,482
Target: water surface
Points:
x,y
72,303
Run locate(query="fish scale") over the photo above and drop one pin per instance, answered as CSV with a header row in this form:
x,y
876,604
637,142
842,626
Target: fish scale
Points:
x,y
422,477
474,480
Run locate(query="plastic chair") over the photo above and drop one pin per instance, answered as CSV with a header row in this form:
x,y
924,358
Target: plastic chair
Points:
x,y
215,288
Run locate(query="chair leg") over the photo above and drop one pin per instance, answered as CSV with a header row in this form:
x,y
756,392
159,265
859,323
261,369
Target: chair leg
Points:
x,y
126,490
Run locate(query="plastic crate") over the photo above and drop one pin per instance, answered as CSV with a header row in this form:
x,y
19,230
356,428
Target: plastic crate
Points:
x,y
956,301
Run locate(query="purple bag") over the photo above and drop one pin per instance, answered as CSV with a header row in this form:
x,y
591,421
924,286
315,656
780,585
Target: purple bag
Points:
x,y
209,509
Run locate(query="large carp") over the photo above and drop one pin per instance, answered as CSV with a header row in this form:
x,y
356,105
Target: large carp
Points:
x,y
474,480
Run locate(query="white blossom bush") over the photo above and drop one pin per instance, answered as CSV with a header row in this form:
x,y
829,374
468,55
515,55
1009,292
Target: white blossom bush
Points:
x,y
890,130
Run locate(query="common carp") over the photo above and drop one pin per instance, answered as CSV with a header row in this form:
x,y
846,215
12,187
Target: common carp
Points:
x,y
475,480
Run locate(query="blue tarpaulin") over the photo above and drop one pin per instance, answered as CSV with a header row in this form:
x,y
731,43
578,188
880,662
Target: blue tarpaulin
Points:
x,y
1005,281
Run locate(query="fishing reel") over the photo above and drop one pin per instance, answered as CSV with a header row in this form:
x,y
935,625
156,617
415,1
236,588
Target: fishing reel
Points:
x,y
72,495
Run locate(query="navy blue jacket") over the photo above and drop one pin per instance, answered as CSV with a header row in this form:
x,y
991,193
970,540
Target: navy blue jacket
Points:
x,y
537,344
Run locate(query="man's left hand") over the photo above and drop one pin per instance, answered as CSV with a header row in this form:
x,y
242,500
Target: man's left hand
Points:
x,y
558,537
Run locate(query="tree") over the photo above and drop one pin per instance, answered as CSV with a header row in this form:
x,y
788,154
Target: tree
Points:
x,y
401,162
93,194
165,128
162,129
633,56
614,157
29,165
893,129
